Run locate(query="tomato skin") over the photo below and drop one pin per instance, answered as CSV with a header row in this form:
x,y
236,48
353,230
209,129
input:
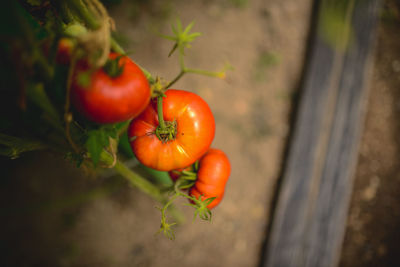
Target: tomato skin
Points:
x,y
111,100
213,173
195,132
64,51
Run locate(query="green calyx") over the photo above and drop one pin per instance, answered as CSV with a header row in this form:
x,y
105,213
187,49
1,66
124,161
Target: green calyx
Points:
x,y
166,133
166,130
113,68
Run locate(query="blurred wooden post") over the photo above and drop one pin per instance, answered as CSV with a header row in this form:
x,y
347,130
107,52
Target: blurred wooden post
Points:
x,y
310,217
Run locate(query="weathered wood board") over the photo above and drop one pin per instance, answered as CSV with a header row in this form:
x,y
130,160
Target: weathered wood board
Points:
x,y
310,217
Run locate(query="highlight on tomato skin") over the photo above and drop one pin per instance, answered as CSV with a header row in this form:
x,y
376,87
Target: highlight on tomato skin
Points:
x,y
107,99
212,176
195,130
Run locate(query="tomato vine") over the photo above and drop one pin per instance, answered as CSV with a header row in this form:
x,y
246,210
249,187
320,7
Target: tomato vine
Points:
x,y
54,54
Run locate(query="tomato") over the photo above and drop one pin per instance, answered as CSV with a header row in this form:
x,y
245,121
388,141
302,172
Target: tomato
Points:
x,y
109,99
213,173
194,131
64,51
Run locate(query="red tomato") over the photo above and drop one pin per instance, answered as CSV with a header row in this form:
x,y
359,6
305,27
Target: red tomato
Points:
x,y
213,173
64,50
111,99
195,129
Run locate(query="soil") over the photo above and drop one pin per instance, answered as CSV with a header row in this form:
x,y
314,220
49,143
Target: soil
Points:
x,y
55,215
373,232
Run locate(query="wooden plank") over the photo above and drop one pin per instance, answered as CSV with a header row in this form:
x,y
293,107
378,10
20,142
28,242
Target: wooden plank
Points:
x,y
311,213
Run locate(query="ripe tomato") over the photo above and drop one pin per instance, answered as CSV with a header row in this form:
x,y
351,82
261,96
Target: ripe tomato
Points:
x,y
194,132
64,50
213,173
111,99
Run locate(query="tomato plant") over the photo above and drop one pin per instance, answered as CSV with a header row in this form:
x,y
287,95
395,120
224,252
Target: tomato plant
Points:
x,y
189,129
212,175
206,179
63,53
110,98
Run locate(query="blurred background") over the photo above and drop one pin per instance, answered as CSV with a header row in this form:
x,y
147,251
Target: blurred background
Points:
x,y
53,214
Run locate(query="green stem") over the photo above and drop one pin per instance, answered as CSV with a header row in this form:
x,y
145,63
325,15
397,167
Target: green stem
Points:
x,y
82,11
164,209
116,47
13,146
204,72
142,184
160,113
182,59
182,194
183,71
147,74
133,178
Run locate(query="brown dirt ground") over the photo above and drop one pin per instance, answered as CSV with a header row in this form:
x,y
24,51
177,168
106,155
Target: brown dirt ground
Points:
x,y
373,233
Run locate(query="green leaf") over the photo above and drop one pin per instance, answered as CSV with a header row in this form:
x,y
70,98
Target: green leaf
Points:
x,y
74,157
34,2
181,37
97,140
12,147
111,130
124,146
159,176
74,30
38,96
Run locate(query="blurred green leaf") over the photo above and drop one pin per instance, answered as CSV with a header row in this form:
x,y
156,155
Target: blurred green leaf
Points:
x,y
12,147
99,139
39,97
124,146
95,143
34,2
159,176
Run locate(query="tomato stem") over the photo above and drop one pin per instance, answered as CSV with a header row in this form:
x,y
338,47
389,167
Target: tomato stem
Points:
x,y
84,14
141,183
133,178
181,73
160,113
117,48
113,67
218,74
166,130
67,114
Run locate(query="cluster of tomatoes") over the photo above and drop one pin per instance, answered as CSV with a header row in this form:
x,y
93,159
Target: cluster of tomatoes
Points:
x,y
169,132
